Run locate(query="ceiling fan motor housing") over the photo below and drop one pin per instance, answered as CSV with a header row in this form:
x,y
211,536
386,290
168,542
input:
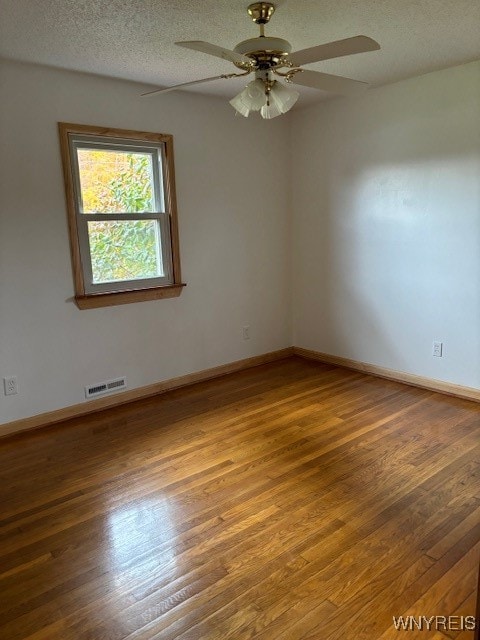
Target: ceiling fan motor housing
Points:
x,y
265,51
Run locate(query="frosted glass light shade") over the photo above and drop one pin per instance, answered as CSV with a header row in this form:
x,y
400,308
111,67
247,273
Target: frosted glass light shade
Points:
x,y
255,94
239,105
283,96
252,98
270,110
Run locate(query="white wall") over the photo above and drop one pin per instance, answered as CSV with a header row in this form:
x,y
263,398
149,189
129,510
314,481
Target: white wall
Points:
x,y
386,198
234,240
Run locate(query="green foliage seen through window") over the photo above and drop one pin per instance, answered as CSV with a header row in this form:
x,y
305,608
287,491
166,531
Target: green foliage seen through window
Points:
x,y
120,249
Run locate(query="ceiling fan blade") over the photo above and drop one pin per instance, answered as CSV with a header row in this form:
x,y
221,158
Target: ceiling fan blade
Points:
x,y
184,84
213,50
337,49
327,82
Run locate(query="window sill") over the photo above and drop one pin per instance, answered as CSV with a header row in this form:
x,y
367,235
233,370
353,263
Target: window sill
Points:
x,y
126,297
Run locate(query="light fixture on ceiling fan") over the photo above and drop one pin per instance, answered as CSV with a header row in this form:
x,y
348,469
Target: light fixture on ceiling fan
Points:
x,y
271,58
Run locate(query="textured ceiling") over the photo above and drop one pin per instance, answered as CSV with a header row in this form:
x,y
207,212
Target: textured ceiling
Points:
x,y
134,39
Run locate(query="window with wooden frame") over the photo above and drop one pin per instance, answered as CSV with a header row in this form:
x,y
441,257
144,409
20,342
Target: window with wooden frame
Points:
x,y
120,189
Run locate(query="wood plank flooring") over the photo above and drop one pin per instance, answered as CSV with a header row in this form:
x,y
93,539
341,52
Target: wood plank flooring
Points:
x,y
292,501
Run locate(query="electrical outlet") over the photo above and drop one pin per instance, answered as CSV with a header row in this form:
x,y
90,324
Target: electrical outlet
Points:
x,y
246,332
437,350
10,386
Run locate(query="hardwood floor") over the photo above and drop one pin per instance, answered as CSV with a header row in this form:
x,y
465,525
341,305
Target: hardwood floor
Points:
x,y
292,501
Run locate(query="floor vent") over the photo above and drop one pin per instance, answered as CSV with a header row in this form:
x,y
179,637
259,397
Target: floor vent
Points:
x,y
109,386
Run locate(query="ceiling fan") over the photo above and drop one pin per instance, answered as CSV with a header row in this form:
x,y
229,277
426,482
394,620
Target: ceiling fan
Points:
x,y
271,58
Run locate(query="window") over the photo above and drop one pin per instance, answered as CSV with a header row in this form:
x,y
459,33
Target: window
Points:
x,y
120,190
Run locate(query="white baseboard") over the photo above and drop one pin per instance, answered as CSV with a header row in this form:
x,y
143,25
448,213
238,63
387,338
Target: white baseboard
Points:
x,y
84,408
468,393
78,410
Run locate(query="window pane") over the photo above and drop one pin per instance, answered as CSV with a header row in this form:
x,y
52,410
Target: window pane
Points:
x,y
125,250
115,181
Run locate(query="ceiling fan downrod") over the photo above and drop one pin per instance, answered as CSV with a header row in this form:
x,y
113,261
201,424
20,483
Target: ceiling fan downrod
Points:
x,y
261,12
263,52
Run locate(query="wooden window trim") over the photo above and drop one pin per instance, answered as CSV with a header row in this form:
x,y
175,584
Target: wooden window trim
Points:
x,y
88,301
96,300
